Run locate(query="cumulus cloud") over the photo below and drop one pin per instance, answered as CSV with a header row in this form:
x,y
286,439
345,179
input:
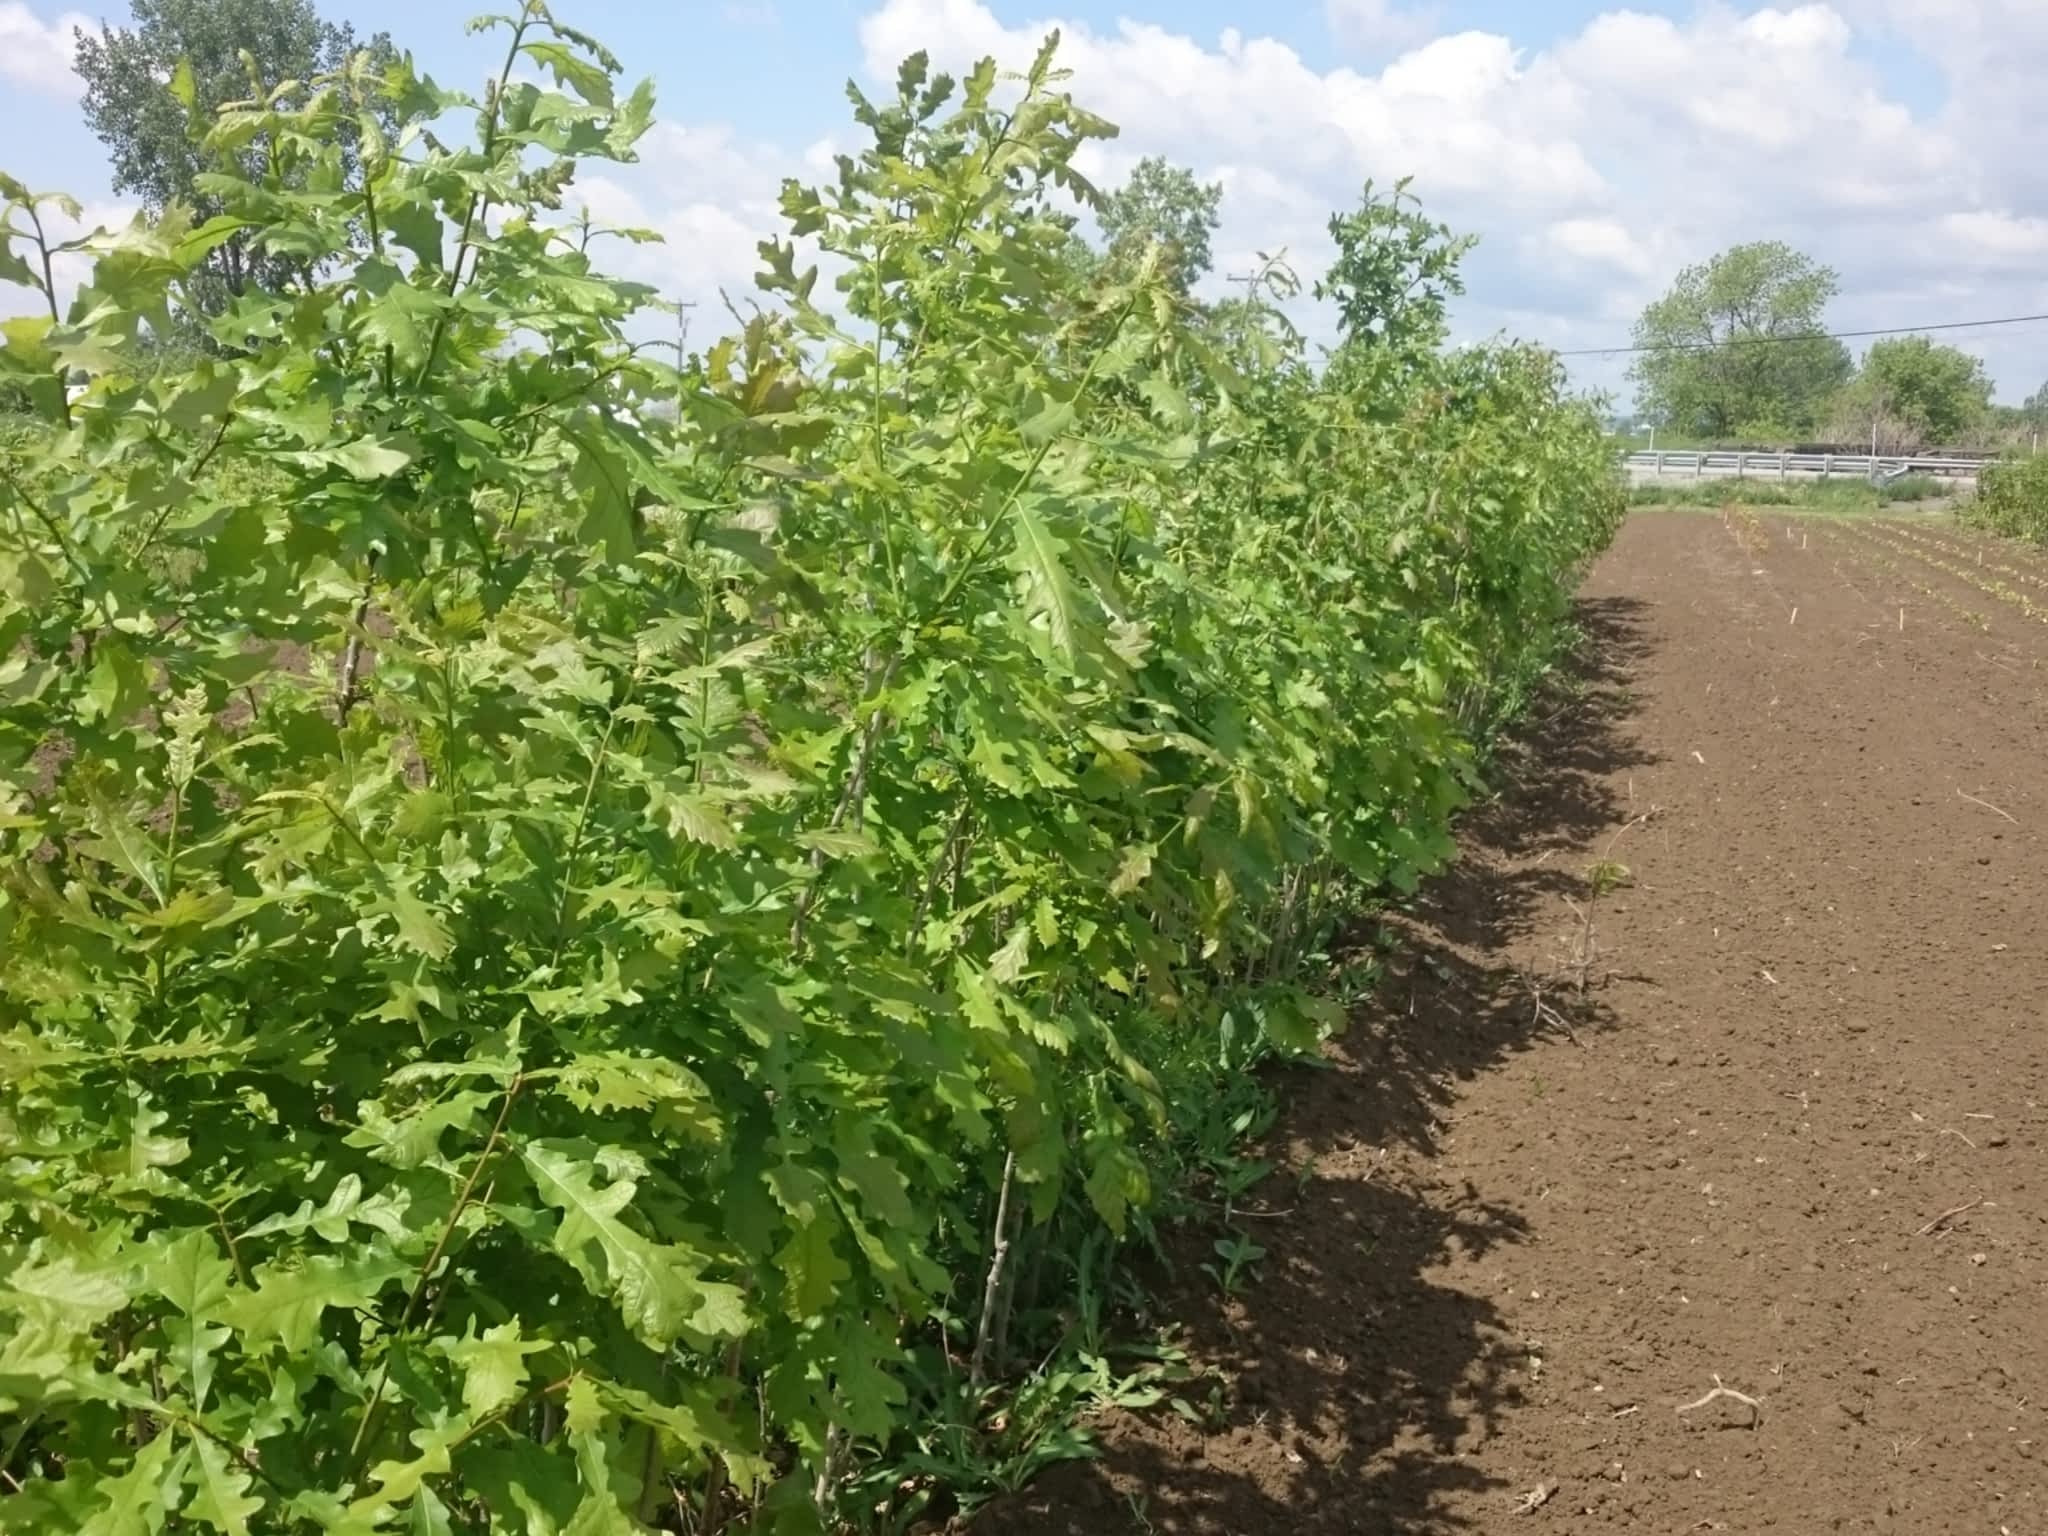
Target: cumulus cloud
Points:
x,y
1604,244
35,55
1374,25
1448,111
1998,238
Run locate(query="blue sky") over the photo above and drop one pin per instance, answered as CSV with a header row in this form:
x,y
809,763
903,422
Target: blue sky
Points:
x,y
1594,147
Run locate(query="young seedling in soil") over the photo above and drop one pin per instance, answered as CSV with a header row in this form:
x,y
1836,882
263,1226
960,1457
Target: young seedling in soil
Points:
x,y
1604,875
1581,948
1238,1253
1747,527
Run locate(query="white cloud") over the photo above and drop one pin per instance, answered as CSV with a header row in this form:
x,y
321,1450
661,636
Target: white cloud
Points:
x,y
1992,55
1997,238
1599,165
1601,243
1446,112
1742,102
1377,25
37,55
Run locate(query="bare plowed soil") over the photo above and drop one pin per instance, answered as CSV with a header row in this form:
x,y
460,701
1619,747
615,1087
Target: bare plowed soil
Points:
x,y
1791,1142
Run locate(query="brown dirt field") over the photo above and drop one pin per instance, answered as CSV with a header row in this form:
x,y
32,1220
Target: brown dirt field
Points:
x,y
1982,574
1798,1146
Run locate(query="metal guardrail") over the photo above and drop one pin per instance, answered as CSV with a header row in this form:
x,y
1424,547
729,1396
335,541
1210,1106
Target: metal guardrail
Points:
x,y
1783,466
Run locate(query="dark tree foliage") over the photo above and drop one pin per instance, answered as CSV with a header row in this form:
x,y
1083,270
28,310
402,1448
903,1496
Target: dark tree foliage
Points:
x,y
234,50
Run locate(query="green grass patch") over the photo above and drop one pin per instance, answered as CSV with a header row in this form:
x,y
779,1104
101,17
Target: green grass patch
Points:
x,y
1825,495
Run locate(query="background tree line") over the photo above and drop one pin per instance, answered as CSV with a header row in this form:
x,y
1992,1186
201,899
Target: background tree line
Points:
x,y
1738,351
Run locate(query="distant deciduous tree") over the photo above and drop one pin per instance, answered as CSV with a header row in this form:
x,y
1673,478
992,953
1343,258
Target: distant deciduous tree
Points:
x,y
130,105
1738,346
1163,204
1916,392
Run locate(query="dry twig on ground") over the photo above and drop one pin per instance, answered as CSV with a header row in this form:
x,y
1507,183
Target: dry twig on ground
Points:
x,y
1990,807
1947,1216
1755,1406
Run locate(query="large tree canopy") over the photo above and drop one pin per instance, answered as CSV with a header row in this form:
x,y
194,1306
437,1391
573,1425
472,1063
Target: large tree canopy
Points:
x,y
1737,347
147,129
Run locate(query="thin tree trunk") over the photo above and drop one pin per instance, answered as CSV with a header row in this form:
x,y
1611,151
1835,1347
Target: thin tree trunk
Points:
x,y
984,1334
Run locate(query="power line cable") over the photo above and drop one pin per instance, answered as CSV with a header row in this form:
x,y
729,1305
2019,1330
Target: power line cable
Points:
x,y
1758,341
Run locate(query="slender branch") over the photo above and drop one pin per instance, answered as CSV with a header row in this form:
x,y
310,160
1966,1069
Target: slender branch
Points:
x,y
1948,1215
653,1476
1989,807
1755,1406
576,838
50,523
704,642
717,1477
875,436
360,1445
940,866
340,819
43,249
220,1223
632,352
352,656
27,1422
50,293
160,965
377,250
190,474
499,1416
851,796
960,218
478,203
199,464
984,1332
828,1469
1030,473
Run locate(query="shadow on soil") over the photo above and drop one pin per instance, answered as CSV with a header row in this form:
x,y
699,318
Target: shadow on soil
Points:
x,y
1354,1378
